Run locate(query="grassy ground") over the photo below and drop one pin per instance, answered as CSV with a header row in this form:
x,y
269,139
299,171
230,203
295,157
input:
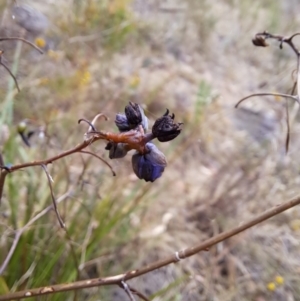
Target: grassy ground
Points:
x,y
195,58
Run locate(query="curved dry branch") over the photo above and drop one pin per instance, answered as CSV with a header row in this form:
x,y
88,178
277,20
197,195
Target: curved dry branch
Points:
x,y
294,97
177,256
24,41
139,294
260,38
288,128
50,180
10,73
8,169
101,159
74,150
1,55
135,139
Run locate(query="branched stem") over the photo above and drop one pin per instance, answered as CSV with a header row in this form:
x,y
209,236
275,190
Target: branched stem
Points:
x,y
135,139
260,40
127,289
5,170
288,40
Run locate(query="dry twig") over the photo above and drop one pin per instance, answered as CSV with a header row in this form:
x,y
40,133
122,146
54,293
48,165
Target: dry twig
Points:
x,y
8,70
127,289
50,180
101,159
1,55
260,40
179,255
5,170
24,41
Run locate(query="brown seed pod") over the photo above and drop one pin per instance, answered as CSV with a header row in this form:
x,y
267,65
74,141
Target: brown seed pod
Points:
x,y
165,129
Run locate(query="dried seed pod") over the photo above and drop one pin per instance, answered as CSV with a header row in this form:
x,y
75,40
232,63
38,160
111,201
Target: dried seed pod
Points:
x,y
122,123
165,129
259,41
151,165
116,150
133,114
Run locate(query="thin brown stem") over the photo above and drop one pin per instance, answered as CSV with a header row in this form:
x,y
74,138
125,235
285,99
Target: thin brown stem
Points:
x,y
294,97
288,131
3,174
279,38
117,280
139,294
101,159
10,73
134,139
60,220
76,149
24,41
260,40
127,289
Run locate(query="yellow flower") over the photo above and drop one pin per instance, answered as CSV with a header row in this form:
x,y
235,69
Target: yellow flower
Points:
x,y
279,279
271,286
40,42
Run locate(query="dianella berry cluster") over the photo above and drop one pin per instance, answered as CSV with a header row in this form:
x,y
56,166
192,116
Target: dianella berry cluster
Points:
x,y
148,162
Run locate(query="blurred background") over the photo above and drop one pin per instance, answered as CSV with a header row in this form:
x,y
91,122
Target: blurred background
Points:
x,y
196,58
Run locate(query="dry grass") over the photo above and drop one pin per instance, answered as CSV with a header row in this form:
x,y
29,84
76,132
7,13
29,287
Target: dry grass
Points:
x,y
228,165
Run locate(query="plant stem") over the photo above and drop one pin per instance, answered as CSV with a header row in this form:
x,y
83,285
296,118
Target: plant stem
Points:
x,y
118,279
